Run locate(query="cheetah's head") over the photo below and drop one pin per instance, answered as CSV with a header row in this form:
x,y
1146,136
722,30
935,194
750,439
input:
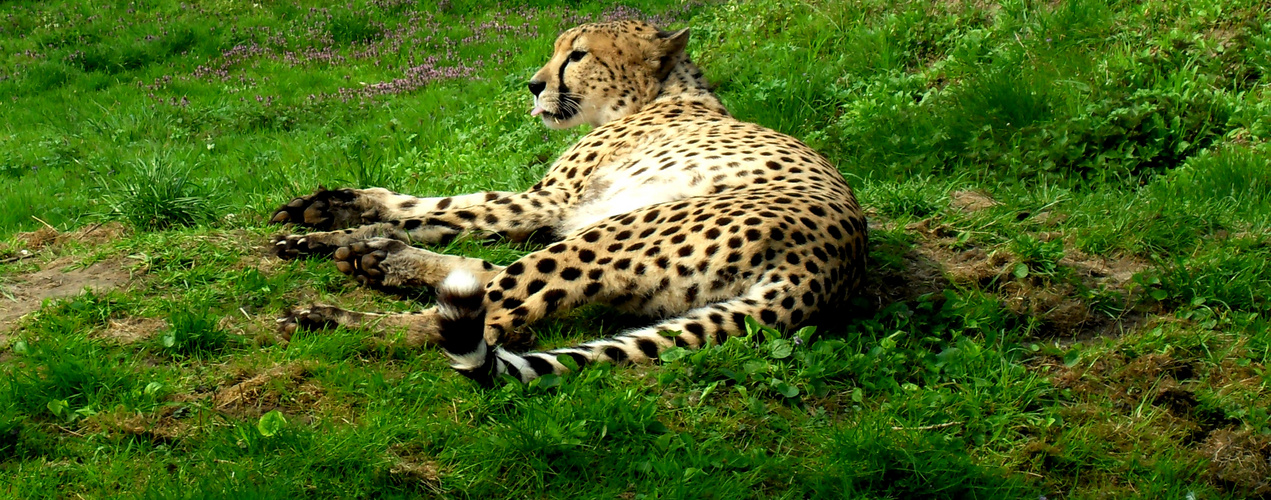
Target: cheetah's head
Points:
x,y
605,71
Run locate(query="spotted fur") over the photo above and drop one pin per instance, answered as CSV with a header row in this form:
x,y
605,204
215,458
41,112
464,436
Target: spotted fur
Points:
x,y
669,208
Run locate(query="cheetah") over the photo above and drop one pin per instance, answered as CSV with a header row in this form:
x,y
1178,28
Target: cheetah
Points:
x,y
669,208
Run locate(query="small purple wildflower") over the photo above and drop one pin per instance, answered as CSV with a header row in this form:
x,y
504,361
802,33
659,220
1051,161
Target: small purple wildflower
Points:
x,y
416,48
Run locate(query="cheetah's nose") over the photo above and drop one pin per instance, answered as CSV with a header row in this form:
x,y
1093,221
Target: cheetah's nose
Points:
x,y
536,87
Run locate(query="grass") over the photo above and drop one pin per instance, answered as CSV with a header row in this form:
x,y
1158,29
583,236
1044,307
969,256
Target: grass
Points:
x,y
159,193
1069,206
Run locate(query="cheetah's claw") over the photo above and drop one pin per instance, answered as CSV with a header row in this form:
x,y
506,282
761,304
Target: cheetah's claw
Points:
x,y
296,246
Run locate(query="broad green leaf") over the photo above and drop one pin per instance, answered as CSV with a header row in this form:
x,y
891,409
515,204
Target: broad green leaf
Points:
x,y
1021,270
781,348
805,334
673,354
57,406
567,361
755,366
271,423
752,327
547,381
707,392
757,406
784,388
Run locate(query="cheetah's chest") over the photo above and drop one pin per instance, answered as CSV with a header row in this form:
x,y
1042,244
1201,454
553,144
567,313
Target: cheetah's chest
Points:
x,y
630,187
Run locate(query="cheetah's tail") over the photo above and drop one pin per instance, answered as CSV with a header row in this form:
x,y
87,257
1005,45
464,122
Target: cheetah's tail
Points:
x,y
461,304
461,307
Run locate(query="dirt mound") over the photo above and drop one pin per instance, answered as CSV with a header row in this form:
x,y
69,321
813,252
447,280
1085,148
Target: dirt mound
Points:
x,y
168,424
1112,389
131,330
1240,459
281,385
58,279
936,260
95,234
411,464
971,201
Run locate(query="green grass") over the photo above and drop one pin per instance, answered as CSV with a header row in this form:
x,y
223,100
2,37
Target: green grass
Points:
x,y
1069,205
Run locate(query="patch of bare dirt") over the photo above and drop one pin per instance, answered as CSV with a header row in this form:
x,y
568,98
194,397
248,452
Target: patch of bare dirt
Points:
x,y
167,425
58,279
962,6
1235,458
971,201
1239,459
936,262
131,330
921,275
412,464
267,264
1160,379
280,386
95,234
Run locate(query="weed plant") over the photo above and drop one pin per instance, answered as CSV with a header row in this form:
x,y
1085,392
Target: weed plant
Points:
x,y
193,333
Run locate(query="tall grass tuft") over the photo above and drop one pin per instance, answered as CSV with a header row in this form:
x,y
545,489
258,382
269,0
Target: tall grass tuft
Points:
x,y
66,375
1239,175
195,334
159,193
919,196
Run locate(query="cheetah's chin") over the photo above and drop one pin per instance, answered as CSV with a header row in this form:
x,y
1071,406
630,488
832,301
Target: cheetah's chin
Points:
x,y
557,122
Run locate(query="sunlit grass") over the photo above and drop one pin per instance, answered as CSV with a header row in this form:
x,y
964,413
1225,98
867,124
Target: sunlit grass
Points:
x,y
1068,297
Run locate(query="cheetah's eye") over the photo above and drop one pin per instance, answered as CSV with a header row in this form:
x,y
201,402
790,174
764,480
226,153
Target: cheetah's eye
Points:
x,y
577,55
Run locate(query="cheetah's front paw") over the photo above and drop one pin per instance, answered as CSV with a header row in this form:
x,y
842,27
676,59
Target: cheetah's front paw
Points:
x,y
326,210
377,262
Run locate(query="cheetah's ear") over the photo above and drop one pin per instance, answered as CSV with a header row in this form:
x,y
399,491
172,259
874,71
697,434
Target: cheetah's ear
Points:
x,y
668,46
678,39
